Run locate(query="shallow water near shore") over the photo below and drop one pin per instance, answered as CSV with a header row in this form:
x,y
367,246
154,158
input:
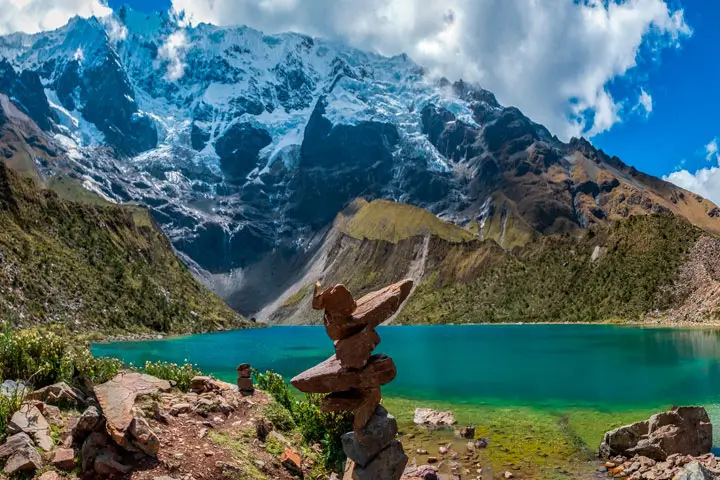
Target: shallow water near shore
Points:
x,y
546,393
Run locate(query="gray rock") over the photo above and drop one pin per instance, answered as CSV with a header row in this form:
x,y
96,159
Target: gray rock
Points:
x,y
53,415
23,460
88,422
29,420
684,430
107,463
91,448
694,471
374,438
387,465
15,443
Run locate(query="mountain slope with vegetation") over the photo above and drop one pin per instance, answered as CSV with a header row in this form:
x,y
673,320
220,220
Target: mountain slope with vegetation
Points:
x,y
93,267
625,270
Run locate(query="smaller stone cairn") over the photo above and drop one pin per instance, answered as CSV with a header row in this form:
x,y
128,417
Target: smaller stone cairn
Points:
x,y
244,380
353,376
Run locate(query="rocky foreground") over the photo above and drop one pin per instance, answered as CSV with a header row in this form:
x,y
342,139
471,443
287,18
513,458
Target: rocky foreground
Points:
x,y
138,427
673,445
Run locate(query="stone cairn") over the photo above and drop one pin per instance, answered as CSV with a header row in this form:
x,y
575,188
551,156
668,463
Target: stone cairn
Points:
x,y
353,376
244,380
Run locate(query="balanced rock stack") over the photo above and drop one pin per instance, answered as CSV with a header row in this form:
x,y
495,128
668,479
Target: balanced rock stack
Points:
x,y
353,376
244,380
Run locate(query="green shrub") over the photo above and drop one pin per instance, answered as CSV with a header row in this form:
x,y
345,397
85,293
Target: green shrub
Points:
x,y
279,416
314,425
182,375
275,385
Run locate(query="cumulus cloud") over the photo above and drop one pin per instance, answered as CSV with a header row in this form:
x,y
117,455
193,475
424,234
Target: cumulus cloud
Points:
x,y
173,53
552,58
704,182
33,16
645,102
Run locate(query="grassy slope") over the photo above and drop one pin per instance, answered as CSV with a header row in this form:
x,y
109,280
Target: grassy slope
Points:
x,y
554,279
94,267
392,222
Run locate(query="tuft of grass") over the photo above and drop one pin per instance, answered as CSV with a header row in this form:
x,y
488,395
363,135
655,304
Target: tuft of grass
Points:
x,y
297,297
279,416
245,468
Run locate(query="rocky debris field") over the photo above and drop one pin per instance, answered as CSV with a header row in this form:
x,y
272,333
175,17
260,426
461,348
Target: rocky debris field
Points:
x,y
141,428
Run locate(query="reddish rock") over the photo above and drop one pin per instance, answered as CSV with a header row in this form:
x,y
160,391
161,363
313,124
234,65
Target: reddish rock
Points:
x,y
343,401
362,402
374,308
245,384
365,410
244,370
291,461
330,376
64,459
354,351
117,399
337,300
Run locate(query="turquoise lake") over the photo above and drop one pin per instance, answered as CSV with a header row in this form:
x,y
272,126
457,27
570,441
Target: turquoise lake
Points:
x,y
600,367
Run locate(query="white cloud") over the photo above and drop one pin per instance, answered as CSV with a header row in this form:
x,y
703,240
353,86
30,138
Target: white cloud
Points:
x,y
173,52
37,15
704,182
116,31
645,102
711,150
554,59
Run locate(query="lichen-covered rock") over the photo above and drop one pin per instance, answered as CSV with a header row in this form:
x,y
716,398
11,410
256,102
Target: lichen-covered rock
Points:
x,y
30,420
20,454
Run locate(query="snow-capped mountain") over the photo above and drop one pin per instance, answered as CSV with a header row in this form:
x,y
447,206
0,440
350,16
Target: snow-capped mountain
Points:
x,y
244,144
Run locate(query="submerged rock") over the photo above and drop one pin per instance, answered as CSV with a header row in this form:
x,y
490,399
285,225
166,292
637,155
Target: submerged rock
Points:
x,y
427,417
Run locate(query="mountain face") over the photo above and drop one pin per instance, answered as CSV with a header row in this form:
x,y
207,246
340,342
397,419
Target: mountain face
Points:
x,y
246,146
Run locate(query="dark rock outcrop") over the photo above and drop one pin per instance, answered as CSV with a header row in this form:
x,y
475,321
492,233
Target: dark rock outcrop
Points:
x,y
238,149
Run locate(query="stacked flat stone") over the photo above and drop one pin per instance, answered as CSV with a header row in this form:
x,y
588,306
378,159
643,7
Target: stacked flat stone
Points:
x,y
353,376
244,380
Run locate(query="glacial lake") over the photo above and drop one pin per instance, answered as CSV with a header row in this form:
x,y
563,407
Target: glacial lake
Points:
x,y
543,394
603,367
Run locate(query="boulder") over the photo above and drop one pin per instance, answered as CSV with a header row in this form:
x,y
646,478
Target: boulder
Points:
x,y
24,460
88,422
684,431
50,476
29,420
387,465
117,399
330,376
694,471
179,408
354,351
141,437
372,439
202,384
64,459
429,418
20,454
59,393
93,445
292,462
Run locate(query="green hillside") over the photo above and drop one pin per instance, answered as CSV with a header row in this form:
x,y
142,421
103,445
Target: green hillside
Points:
x,y
94,267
